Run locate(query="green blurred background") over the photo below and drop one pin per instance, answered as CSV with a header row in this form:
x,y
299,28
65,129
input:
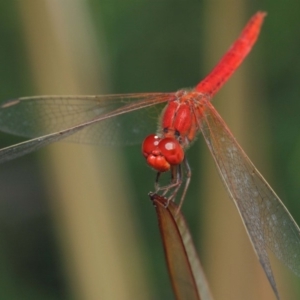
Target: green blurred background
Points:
x,y
75,220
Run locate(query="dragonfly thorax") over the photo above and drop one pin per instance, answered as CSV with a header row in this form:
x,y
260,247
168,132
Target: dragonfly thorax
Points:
x,y
179,124
181,117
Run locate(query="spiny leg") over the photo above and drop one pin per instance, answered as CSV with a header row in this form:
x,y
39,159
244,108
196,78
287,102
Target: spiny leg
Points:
x,y
188,174
176,181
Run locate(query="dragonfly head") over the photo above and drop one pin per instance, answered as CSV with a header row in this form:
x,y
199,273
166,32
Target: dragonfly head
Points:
x,y
162,153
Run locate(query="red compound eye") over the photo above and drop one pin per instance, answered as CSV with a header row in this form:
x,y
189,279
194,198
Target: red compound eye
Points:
x,y
150,144
171,150
153,154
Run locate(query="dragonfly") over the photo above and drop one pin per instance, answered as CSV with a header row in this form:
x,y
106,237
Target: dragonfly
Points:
x,y
99,119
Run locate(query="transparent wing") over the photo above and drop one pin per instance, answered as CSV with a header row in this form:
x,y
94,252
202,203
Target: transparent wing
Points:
x,y
38,116
267,220
115,119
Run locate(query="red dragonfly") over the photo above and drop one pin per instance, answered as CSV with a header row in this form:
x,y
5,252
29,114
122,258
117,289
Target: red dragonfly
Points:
x,y
97,119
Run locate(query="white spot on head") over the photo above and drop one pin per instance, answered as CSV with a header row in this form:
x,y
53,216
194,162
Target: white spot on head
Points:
x,y
170,146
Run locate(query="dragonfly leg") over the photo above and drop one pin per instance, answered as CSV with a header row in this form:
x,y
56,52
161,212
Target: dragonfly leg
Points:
x,y
176,181
188,175
156,184
165,188
175,184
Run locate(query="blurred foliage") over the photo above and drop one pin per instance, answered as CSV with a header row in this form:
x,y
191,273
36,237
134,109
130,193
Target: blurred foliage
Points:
x,y
152,46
